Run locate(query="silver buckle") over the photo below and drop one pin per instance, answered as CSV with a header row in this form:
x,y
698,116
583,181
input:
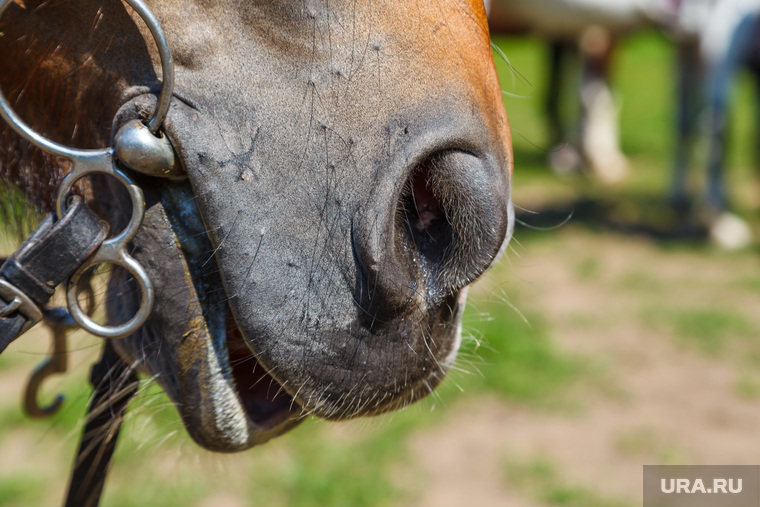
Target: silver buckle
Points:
x,y
19,302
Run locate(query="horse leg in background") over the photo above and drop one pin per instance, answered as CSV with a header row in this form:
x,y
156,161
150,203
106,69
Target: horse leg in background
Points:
x,y
754,66
726,229
600,136
563,155
688,105
558,53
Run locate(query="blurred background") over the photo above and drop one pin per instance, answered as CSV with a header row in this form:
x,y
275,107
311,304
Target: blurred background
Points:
x,y
617,331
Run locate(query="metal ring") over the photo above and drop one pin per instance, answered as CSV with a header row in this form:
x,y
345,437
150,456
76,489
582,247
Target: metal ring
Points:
x,y
167,64
10,308
98,166
122,330
167,70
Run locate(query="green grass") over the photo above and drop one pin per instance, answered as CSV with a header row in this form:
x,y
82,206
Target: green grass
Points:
x,y
648,445
20,489
587,269
516,358
540,480
747,386
710,330
639,281
751,283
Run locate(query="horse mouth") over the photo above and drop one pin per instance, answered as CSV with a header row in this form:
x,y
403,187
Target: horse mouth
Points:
x,y
266,403
191,345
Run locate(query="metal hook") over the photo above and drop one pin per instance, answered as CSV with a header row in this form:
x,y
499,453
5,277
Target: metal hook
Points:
x,y
56,363
60,324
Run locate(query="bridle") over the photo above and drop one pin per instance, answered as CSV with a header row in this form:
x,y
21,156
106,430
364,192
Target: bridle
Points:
x,y
65,249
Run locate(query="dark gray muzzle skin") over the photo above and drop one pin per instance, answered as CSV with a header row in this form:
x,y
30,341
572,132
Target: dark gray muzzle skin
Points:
x,y
304,140
305,253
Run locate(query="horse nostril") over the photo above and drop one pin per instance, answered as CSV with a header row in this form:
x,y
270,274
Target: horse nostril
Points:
x,y
426,205
452,218
422,217
447,226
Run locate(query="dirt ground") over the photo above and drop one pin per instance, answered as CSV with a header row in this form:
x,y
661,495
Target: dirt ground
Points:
x,y
669,333
662,401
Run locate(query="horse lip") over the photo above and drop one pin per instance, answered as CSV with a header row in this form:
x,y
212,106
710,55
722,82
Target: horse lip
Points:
x,y
267,403
200,378
190,354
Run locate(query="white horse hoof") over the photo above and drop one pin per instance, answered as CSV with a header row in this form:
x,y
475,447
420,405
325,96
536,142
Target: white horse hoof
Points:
x,y
564,159
610,167
730,232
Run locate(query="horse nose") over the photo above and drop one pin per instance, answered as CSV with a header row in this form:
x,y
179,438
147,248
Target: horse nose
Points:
x,y
446,224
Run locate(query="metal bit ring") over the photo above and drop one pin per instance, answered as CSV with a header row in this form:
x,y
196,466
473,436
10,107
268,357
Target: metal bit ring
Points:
x,y
147,297
103,164
112,251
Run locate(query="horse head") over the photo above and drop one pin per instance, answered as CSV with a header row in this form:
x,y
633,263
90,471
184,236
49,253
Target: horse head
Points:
x,y
348,174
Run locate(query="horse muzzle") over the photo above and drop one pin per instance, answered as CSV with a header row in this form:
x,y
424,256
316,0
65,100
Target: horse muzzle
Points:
x,y
267,312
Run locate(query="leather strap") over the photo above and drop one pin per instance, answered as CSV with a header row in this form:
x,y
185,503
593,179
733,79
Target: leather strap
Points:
x,y
115,385
45,260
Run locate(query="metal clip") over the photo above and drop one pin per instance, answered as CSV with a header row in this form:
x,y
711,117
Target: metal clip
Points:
x,y
19,302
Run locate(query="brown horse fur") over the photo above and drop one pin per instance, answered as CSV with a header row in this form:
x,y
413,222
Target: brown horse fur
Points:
x,y
58,84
